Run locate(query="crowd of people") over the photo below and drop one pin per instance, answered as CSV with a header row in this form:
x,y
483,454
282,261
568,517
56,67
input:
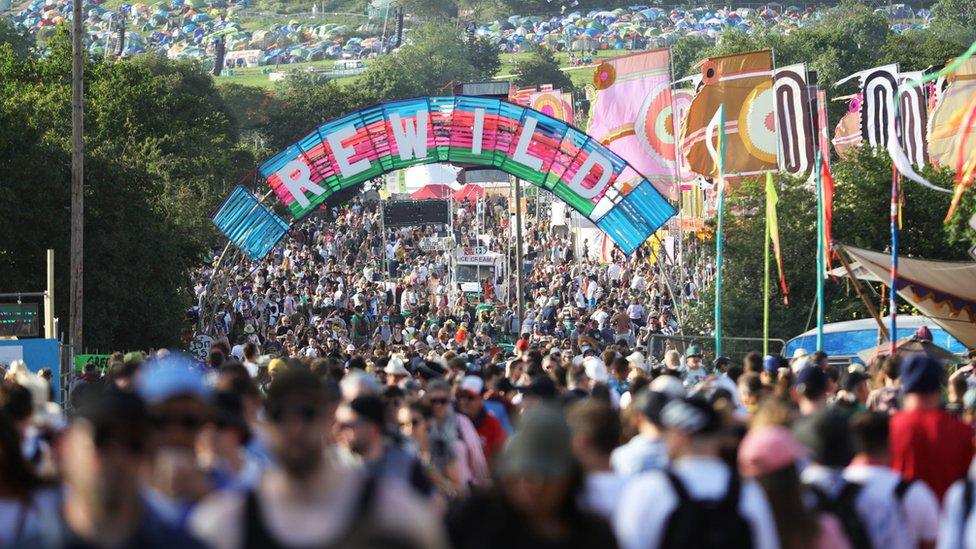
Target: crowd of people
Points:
x,y
543,448
353,396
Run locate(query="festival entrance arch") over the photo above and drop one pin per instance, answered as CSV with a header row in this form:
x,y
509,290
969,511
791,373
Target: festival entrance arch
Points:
x,y
465,131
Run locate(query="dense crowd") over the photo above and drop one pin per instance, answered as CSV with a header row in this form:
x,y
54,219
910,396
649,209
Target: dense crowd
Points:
x,y
354,396
544,448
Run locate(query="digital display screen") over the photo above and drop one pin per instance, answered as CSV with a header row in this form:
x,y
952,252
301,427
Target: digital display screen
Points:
x,y
19,320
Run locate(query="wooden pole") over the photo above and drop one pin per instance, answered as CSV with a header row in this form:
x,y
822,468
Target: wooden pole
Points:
x,y
519,273
77,181
864,298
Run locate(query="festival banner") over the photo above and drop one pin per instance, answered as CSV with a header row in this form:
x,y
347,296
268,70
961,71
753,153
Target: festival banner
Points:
x,y
945,127
795,128
772,235
744,84
847,134
913,118
249,224
466,130
555,103
632,114
681,101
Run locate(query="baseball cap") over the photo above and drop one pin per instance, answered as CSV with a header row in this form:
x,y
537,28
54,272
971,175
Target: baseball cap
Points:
x,y
596,369
768,449
115,415
651,403
370,408
540,447
669,385
771,364
172,376
827,436
850,380
692,415
693,351
811,380
920,373
473,384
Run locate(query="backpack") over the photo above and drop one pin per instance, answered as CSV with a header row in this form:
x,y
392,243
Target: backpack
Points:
x,y
362,325
707,524
844,508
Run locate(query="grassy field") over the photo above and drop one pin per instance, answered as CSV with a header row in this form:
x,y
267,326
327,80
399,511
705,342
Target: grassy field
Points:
x,y
254,77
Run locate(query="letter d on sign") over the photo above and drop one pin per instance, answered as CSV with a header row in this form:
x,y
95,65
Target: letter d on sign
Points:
x,y
295,176
576,184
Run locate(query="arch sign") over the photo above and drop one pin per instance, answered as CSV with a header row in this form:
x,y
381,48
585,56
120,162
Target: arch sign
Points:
x,y
470,131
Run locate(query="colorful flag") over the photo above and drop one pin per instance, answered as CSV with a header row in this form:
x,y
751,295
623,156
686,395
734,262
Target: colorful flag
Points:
x,y
555,103
946,128
744,84
772,234
632,114
795,122
827,193
847,134
913,118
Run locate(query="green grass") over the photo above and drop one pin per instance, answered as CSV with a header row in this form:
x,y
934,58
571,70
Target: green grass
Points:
x,y
253,76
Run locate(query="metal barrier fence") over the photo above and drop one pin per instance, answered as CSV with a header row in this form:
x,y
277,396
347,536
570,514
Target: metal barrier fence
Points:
x,y
735,348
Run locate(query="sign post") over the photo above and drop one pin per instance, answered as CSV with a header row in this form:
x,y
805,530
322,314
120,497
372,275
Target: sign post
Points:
x,y
520,295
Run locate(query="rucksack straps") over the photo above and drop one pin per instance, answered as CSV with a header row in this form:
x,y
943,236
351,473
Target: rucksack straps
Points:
x,y
902,488
844,508
729,501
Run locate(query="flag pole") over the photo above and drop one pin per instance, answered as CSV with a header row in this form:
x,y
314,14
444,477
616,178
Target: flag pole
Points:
x,y
769,176
893,292
820,255
719,235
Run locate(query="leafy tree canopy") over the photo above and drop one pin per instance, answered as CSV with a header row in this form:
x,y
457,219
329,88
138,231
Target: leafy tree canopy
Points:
x,y
541,67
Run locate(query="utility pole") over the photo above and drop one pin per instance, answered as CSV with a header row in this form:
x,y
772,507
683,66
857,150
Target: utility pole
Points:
x,y
520,270
77,180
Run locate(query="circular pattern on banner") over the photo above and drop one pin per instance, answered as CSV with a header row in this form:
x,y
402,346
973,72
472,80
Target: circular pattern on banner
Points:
x,y
710,73
655,125
855,104
757,123
604,76
681,102
550,105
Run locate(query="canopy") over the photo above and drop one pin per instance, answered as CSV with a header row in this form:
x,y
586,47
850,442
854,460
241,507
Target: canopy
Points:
x,y
908,346
470,192
944,291
432,191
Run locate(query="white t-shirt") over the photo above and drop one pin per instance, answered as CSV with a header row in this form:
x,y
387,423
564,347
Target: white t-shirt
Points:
x,y
878,509
919,507
648,501
951,526
601,493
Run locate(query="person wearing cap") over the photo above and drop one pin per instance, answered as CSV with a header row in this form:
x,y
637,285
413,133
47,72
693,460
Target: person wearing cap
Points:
x,y
472,405
360,427
224,446
395,372
810,390
693,372
178,400
853,394
770,370
771,455
308,498
596,432
921,422
536,501
870,517
871,468
694,435
105,449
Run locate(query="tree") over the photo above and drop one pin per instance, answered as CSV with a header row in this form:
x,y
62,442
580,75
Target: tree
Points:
x,y
483,55
161,153
541,67
437,58
430,9
301,104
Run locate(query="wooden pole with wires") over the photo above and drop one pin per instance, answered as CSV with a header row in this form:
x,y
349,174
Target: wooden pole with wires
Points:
x,y
76,312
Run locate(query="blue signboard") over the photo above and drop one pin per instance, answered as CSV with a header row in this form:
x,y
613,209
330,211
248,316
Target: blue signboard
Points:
x,y
36,354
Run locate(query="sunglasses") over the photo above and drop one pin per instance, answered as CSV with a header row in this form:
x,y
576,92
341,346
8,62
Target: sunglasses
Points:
x,y
415,422
438,401
189,422
305,412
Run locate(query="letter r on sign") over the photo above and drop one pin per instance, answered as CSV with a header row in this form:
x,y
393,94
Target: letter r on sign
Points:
x,y
296,177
